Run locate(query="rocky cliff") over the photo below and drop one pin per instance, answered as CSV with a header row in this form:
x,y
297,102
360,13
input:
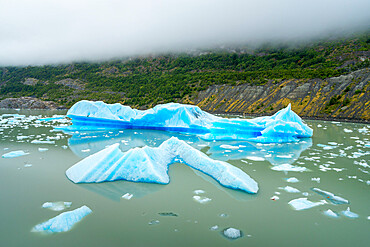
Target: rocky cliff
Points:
x,y
343,97
27,103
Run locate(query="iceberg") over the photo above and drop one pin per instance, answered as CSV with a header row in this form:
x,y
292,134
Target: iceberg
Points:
x,y
331,213
232,233
330,196
14,154
349,214
150,165
63,222
56,206
283,126
303,203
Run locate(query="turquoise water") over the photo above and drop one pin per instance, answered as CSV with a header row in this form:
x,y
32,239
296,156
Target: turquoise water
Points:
x,y
336,159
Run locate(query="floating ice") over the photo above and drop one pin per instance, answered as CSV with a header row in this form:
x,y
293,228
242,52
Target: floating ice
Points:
x,y
153,222
14,154
347,130
303,203
202,199
349,214
42,142
283,126
198,192
127,196
214,228
63,222
292,180
56,206
289,168
255,158
274,198
330,196
291,189
316,179
232,233
331,213
43,149
149,164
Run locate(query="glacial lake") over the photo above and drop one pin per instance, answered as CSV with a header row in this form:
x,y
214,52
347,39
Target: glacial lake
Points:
x,y
336,159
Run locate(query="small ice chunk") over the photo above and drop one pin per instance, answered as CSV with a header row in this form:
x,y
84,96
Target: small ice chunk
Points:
x,y
225,146
42,142
330,196
292,180
291,189
288,167
28,165
303,203
198,192
64,147
316,179
127,196
14,154
347,130
56,206
43,149
331,213
85,150
202,199
255,158
214,228
232,233
64,221
153,222
349,214
223,215
274,198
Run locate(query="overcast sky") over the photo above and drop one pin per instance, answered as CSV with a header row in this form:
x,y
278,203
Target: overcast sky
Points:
x,y
61,31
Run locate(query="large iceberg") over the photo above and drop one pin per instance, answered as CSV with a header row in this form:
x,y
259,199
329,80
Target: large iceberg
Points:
x,y
283,126
149,164
63,222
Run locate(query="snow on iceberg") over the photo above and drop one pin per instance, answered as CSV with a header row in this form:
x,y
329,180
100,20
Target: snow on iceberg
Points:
x,y
283,126
149,164
63,222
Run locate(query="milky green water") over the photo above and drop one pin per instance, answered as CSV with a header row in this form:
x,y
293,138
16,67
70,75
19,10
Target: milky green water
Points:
x,y
337,159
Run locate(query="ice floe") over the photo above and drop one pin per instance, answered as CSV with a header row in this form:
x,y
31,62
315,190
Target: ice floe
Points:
x,y
127,196
149,164
15,154
292,180
289,168
283,126
291,189
349,214
56,206
202,199
303,203
63,222
330,196
331,213
214,228
232,233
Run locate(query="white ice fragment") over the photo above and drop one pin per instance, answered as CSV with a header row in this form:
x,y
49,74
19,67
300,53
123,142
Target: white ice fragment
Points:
x,y
56,206
198,192
347,130
288,167
316,179
330,196
305,194
64,147
43,149
42,142
202,199
291,189
14,154
331,213
255,158
85,150
349,214
274,198
63,222
214,228
153,222
225,146
127,196
232,233
303,203
149,164
28,165
292,180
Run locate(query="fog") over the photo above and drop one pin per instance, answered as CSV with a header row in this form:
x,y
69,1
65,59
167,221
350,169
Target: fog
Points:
x,y
60,31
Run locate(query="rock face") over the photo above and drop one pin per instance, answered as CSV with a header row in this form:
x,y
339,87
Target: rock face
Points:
x,y
28,103
343,97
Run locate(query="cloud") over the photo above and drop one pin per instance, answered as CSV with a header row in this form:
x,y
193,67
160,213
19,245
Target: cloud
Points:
x,y
61,31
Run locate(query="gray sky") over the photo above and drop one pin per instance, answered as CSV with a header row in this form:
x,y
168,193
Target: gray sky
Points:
x,y
61,31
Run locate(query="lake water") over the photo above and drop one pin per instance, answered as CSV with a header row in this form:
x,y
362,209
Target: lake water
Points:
x,y
337,159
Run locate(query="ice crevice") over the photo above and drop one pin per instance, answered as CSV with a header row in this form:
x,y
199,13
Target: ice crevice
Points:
x,y
148,164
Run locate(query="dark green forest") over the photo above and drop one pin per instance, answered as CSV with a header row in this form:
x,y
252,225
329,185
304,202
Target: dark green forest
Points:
x,y
147,81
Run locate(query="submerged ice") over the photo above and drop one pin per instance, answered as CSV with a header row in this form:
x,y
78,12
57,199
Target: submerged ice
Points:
x,y
283,126
149,164
63,222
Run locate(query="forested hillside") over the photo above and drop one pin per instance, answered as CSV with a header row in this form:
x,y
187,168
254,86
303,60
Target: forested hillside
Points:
x,y
146,81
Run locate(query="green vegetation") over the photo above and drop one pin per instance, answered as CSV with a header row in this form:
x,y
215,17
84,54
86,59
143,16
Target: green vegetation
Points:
x,y
146,81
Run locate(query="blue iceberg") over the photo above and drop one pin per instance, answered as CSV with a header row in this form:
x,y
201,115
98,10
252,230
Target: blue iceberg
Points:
x,y
150,165
63,222
14,154
283,126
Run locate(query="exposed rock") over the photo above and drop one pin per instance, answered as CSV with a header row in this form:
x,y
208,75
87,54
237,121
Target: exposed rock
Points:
x,y
343,97
75,84
28,103
30,81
